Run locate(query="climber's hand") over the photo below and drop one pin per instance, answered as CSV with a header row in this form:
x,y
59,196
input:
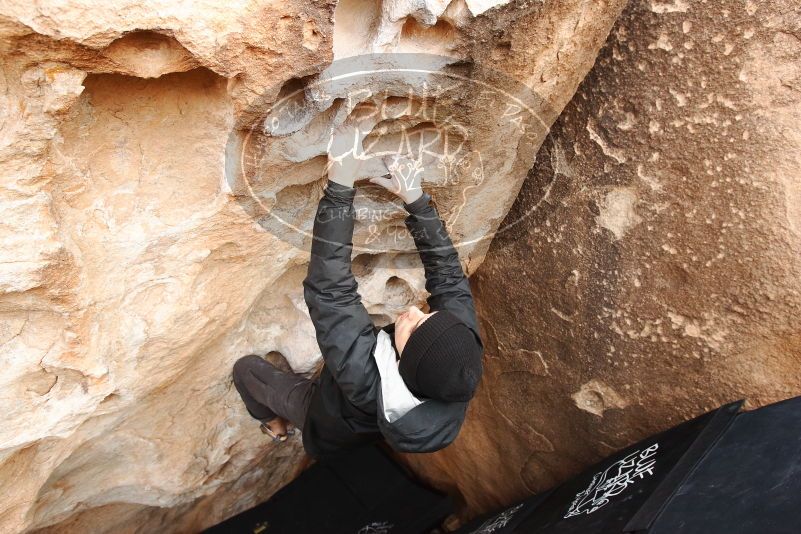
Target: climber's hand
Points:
x,y
405,176
346,154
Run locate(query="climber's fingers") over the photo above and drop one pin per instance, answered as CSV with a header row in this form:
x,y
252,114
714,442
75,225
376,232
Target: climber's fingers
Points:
x,y
346,140
382,181
394,162
387,183
402,166
364,127
358,124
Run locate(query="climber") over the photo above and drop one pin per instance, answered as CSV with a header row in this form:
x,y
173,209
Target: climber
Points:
x,y
408,383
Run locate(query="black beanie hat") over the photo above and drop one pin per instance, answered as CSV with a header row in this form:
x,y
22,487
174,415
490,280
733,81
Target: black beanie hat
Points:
x,y
442,359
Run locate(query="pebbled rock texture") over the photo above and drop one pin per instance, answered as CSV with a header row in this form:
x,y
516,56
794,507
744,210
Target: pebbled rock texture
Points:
x,y
656,271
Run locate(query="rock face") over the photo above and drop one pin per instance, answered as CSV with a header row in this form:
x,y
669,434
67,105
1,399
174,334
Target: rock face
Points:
x,y
651,267
139,154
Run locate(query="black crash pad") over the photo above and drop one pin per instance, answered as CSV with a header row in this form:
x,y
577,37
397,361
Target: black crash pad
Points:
x,y
749,483
605,497
725,471
362,492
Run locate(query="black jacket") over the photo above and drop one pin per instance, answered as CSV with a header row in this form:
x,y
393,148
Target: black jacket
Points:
x,y
346,409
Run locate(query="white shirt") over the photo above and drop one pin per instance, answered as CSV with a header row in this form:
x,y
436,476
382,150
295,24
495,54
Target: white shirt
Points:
x,y
396,396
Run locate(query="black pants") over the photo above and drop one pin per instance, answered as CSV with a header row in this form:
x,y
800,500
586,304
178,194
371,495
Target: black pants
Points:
x,y
269,392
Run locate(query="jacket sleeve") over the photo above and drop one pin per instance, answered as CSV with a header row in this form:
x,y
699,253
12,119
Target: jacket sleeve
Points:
x,y
343,327
446,282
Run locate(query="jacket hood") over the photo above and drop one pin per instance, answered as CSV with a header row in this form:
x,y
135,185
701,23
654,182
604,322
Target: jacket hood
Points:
x,y
428,427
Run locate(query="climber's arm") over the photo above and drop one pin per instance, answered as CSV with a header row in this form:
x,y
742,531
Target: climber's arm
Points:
x,y
344,329
445,279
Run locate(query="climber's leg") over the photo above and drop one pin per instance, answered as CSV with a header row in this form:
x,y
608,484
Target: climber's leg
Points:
x,y
257,410
269,392
296,402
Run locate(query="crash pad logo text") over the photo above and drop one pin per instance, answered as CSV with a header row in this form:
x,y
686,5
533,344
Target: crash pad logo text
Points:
x,y
614,480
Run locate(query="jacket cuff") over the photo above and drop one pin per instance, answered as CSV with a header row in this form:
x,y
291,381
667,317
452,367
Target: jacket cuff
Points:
x,y
418,205
339,192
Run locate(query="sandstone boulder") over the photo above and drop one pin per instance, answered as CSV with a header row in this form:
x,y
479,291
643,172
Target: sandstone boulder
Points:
x,y
136,261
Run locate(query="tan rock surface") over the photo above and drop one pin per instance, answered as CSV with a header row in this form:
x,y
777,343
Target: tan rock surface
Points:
x,y
655,273
132,270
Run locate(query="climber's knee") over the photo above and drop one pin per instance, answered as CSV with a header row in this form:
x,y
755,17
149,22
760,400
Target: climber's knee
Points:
x,y
243,365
